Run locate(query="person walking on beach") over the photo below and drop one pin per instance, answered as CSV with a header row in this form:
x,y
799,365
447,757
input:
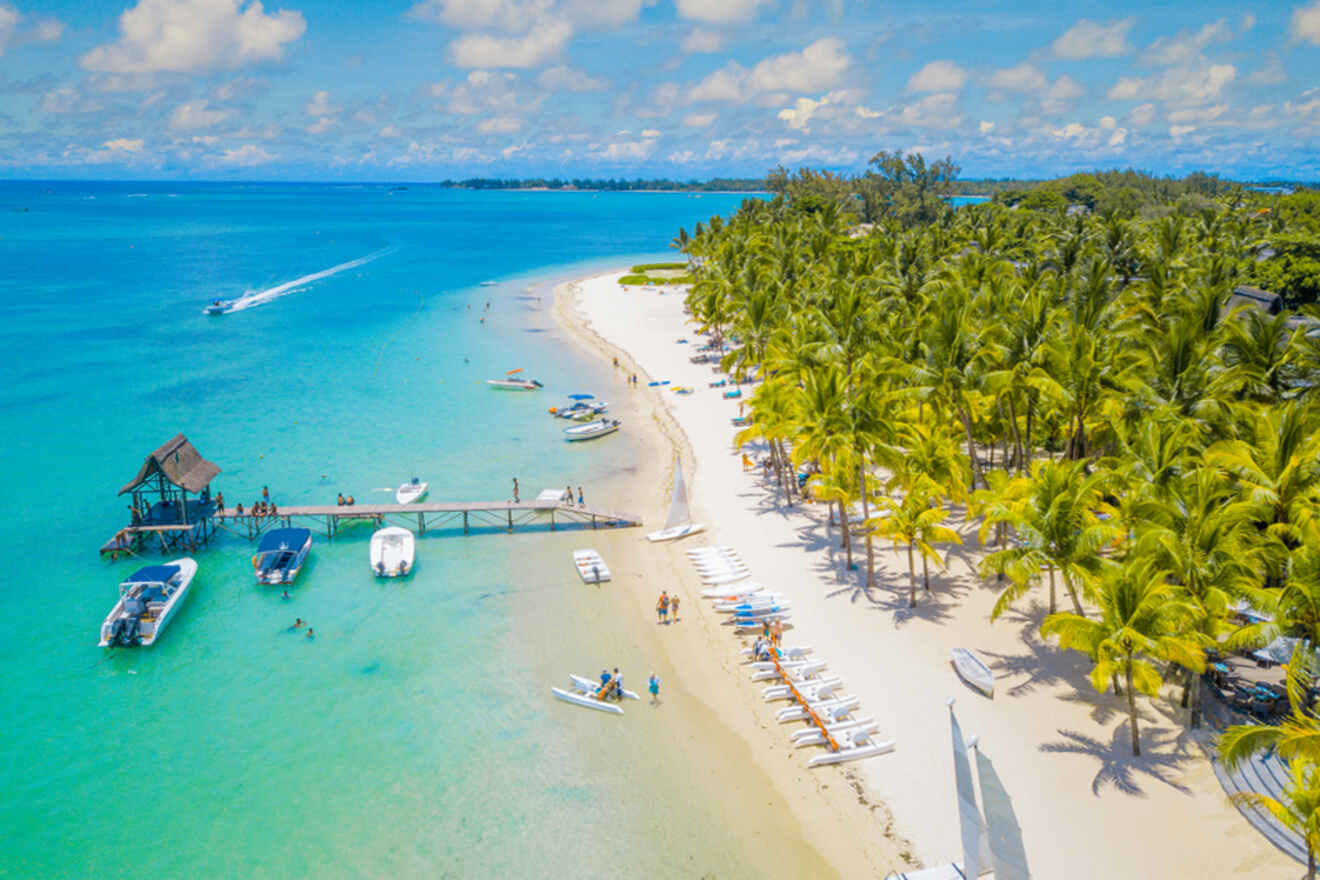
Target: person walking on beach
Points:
x,y
618,684
673,607
654,687
515,490
662,606
777,632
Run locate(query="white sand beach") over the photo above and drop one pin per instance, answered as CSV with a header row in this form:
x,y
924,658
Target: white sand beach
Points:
x,y
1086,807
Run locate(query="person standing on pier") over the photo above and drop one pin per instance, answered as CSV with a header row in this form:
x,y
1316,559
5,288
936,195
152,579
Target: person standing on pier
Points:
x,y
568,490
265,495
580,502
515,490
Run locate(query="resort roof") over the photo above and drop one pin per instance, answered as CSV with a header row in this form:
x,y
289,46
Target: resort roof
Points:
x,y
284,539
180,463
152,574
1244,295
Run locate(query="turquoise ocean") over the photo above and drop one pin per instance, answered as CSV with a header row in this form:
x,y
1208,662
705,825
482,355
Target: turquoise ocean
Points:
x,y
414,736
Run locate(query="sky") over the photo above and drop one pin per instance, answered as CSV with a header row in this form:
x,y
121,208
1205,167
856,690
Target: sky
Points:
x,y
435,89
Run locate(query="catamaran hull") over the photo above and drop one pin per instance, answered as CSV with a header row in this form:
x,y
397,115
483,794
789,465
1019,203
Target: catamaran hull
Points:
x,y
585,701
582,684
675,533
853,754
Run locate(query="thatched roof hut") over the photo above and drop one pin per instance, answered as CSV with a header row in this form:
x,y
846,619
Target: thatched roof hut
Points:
x,y
178,462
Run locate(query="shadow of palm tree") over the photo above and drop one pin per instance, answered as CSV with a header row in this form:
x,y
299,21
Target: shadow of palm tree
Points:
x,y
1038,664
1119,768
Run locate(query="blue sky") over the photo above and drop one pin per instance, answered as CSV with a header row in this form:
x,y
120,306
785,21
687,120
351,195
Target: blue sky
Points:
x,y
305,89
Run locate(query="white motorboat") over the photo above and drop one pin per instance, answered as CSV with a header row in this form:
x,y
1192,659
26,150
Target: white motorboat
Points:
x,y
678,524
584,685
834,708
579,410
147,602
218,307
413,490
591,430
392,552
591,566
589,702
512,382
974,671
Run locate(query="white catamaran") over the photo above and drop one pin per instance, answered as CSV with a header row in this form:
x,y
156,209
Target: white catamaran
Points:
x,y
679,522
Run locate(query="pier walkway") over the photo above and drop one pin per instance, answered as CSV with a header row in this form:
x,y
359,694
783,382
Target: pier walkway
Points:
x,y
429,516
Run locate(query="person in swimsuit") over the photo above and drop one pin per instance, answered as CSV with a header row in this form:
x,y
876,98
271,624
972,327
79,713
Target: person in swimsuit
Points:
x,y
662,607
654,687
673,607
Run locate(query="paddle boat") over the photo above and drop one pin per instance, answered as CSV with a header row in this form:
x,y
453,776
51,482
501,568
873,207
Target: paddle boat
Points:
x,y
812,690
814,736
280,555
591,567
413,490
148,599
591,430
584,685
732,393
972,669
589,701
218,307
392,552
834,708
853,744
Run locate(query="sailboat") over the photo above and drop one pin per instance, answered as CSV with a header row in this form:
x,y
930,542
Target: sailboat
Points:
x,y
679,522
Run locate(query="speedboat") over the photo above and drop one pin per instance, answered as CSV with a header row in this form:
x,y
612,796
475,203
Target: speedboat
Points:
x,y
514,384
218,307
591,430
580,410
414,490
392,552
280,555
147,601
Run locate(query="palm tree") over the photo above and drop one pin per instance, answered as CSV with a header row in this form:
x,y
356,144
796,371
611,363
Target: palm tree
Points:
x,y
1056,515
1297,810
1297,737
916,521
1141,616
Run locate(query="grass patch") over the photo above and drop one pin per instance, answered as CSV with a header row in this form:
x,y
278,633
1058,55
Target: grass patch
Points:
x,y
646,279
646,267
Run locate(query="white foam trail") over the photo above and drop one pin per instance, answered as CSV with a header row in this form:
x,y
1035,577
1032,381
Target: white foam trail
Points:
x,y
261,297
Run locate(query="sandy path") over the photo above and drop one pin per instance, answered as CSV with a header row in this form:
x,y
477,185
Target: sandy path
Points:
x,y
1086,806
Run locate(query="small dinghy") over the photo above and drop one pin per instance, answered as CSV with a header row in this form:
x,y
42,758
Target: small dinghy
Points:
x,y
591,566
813,736
392,552
414,490
591,430
678,524
974,671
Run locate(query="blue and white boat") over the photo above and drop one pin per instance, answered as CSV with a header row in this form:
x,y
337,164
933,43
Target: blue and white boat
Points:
x,y
218,307
280,555
147,602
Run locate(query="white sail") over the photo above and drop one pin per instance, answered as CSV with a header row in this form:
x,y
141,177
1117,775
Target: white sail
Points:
x,y
1007,852
678,506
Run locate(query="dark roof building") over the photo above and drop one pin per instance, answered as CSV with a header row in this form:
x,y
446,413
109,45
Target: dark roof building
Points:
x,y
1243,295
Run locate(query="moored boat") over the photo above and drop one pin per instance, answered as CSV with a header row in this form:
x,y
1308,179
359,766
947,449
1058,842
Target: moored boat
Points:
x,y
280,555
392,552
591,430
148,599
413,490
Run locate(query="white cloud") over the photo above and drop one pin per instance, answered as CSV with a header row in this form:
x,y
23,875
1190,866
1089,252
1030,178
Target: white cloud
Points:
x,y
939,110
192,36
682,157
816,67
700,41
1022,78
1182,86
48,30
1271,73
124,145
699,120
1142,114
1178,131
725,84
650,133
193,115
1305,24
491,93
499,125
1306,107
985,127
566,79
67,100
531,50
320,105
1118,137
1198,114
837,109
719,11
937,76
8,25
1186,46
245,156
1108,123
389,131
321,125
524,16
625,151
1093,39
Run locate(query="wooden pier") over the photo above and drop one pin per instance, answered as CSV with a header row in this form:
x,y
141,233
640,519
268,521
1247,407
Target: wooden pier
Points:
x,y
428,516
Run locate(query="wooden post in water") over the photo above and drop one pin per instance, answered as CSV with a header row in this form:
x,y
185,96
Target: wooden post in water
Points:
x,y
465,522
421,524
509,513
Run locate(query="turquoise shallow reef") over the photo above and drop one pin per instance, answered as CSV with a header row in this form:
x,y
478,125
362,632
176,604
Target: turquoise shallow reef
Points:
x,y
413,736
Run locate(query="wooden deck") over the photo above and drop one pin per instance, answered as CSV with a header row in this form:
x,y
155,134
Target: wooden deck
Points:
x,y
430,516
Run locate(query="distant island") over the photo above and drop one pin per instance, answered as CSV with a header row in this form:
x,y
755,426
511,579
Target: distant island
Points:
x,y
718,184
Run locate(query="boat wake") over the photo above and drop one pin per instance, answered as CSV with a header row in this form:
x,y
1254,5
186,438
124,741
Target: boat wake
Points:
x,y
254,298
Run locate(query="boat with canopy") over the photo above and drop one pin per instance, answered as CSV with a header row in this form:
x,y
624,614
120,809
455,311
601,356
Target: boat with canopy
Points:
x,y
513,382
280,555
148,599
392,552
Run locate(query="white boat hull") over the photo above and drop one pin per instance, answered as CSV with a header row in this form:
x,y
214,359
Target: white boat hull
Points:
x,y
586,702
585,685
717,580
852,754
834,708
675,533
392,551
188,568
973,671
590,431
410,492
591,567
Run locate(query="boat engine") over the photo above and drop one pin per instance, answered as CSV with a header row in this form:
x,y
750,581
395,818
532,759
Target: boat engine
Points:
x,y
126,629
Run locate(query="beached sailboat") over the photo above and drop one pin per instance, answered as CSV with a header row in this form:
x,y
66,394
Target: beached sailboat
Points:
x,y
413,490
148,599
973,670
511,382
591,430
280,555
392,552
678,524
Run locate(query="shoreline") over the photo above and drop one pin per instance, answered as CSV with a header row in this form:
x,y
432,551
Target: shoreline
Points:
x,y
1056,744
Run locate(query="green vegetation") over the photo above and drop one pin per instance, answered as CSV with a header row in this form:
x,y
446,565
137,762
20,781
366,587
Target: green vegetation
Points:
x,y
648,267
1073,376
718,184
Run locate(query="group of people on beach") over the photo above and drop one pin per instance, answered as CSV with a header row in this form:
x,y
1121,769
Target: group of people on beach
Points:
x,y
611,686
666,605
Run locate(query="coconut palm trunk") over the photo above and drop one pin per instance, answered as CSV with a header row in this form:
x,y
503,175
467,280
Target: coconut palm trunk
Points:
x,y
866,514
912,578
1132,706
